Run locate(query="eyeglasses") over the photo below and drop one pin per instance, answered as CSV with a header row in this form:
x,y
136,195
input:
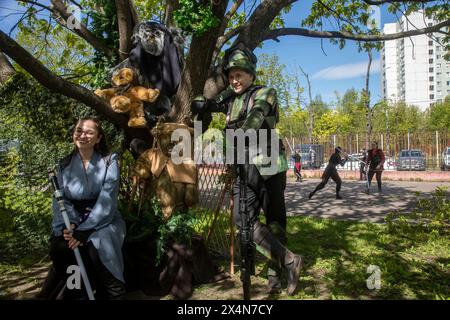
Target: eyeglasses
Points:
x,y
89,133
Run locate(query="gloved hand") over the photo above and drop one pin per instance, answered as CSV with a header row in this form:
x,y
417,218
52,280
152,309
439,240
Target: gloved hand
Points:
x,y
82,236
198,105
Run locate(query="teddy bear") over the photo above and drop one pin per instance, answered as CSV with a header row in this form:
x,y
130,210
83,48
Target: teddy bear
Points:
x,y
124,97
174,184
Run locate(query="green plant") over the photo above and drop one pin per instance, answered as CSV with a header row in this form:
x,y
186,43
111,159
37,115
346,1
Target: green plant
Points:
x,y
194,17
430,217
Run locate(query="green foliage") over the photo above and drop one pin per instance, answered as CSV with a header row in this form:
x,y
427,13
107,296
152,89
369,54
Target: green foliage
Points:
x,y
430,218
180,228
272,74
439,115
194,17
104,26
46,113
218,121
26,211
293,122
150,9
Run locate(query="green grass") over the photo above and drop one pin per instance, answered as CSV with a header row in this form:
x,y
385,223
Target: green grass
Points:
x,y
337,254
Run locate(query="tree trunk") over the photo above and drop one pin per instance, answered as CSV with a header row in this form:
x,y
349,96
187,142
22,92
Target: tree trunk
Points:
x,y
311,110
125,23
171,6
197,67
6,69
369,111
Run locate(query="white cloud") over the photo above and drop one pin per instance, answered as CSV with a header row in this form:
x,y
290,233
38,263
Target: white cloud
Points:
x,y
347,71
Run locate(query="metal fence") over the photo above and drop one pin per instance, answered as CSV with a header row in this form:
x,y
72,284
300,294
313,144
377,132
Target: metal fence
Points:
x,y
431,143
215,184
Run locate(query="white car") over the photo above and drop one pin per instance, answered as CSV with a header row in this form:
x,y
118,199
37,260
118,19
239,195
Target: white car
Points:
x,y
445,162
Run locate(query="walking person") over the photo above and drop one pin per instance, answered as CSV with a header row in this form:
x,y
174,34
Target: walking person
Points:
x,y
89,180
375,162
331,172
298,166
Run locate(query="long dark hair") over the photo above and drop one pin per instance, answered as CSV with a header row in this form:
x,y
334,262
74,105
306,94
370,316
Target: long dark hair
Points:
x,y
101,147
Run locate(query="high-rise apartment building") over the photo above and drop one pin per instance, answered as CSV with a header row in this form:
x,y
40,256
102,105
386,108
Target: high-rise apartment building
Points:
x,y
413,69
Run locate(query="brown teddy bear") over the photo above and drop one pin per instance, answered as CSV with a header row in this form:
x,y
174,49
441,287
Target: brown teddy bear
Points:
x,y
175,185
127,98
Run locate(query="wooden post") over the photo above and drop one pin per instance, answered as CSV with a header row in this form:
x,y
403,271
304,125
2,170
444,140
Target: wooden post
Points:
x,y
231,232
437,149
357,143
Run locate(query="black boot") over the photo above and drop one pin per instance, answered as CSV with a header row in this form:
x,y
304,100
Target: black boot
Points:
x,y
293,273
279,254
274,281
274,270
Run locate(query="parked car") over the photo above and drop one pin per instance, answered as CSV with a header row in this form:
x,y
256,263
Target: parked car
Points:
x,y
411,160
445,162
312,155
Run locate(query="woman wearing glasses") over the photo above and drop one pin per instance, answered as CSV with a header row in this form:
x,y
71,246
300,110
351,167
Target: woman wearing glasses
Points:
x,y
89,179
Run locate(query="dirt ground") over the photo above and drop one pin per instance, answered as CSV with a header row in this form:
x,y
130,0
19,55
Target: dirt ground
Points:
x,y
25,284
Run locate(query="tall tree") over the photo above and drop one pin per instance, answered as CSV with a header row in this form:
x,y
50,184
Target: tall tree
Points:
x,y
108,23
310,107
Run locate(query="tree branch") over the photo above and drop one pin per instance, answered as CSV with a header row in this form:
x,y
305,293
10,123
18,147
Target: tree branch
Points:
x,y
378,2
125,23
171,6
37,4
6,69
274,34
252,32
60,8
57,84
224,38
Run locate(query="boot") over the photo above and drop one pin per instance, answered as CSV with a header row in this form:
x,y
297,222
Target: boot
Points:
x,y
273,274
274,270
293,273
278,254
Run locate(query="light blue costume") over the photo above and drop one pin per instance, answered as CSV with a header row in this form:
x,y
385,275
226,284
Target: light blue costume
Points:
x,y
96,182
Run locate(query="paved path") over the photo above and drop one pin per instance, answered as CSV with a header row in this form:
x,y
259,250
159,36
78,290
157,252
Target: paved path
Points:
x,y
356,205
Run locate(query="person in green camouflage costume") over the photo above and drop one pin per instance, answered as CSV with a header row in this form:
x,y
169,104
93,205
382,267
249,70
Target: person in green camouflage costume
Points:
x,y
248,106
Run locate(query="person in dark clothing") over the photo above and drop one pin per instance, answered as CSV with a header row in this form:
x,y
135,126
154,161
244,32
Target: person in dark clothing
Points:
x,y
298,166
375,161
331,171
362,165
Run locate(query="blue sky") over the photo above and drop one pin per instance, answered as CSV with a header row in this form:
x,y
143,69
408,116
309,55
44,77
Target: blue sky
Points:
x,y
338,70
